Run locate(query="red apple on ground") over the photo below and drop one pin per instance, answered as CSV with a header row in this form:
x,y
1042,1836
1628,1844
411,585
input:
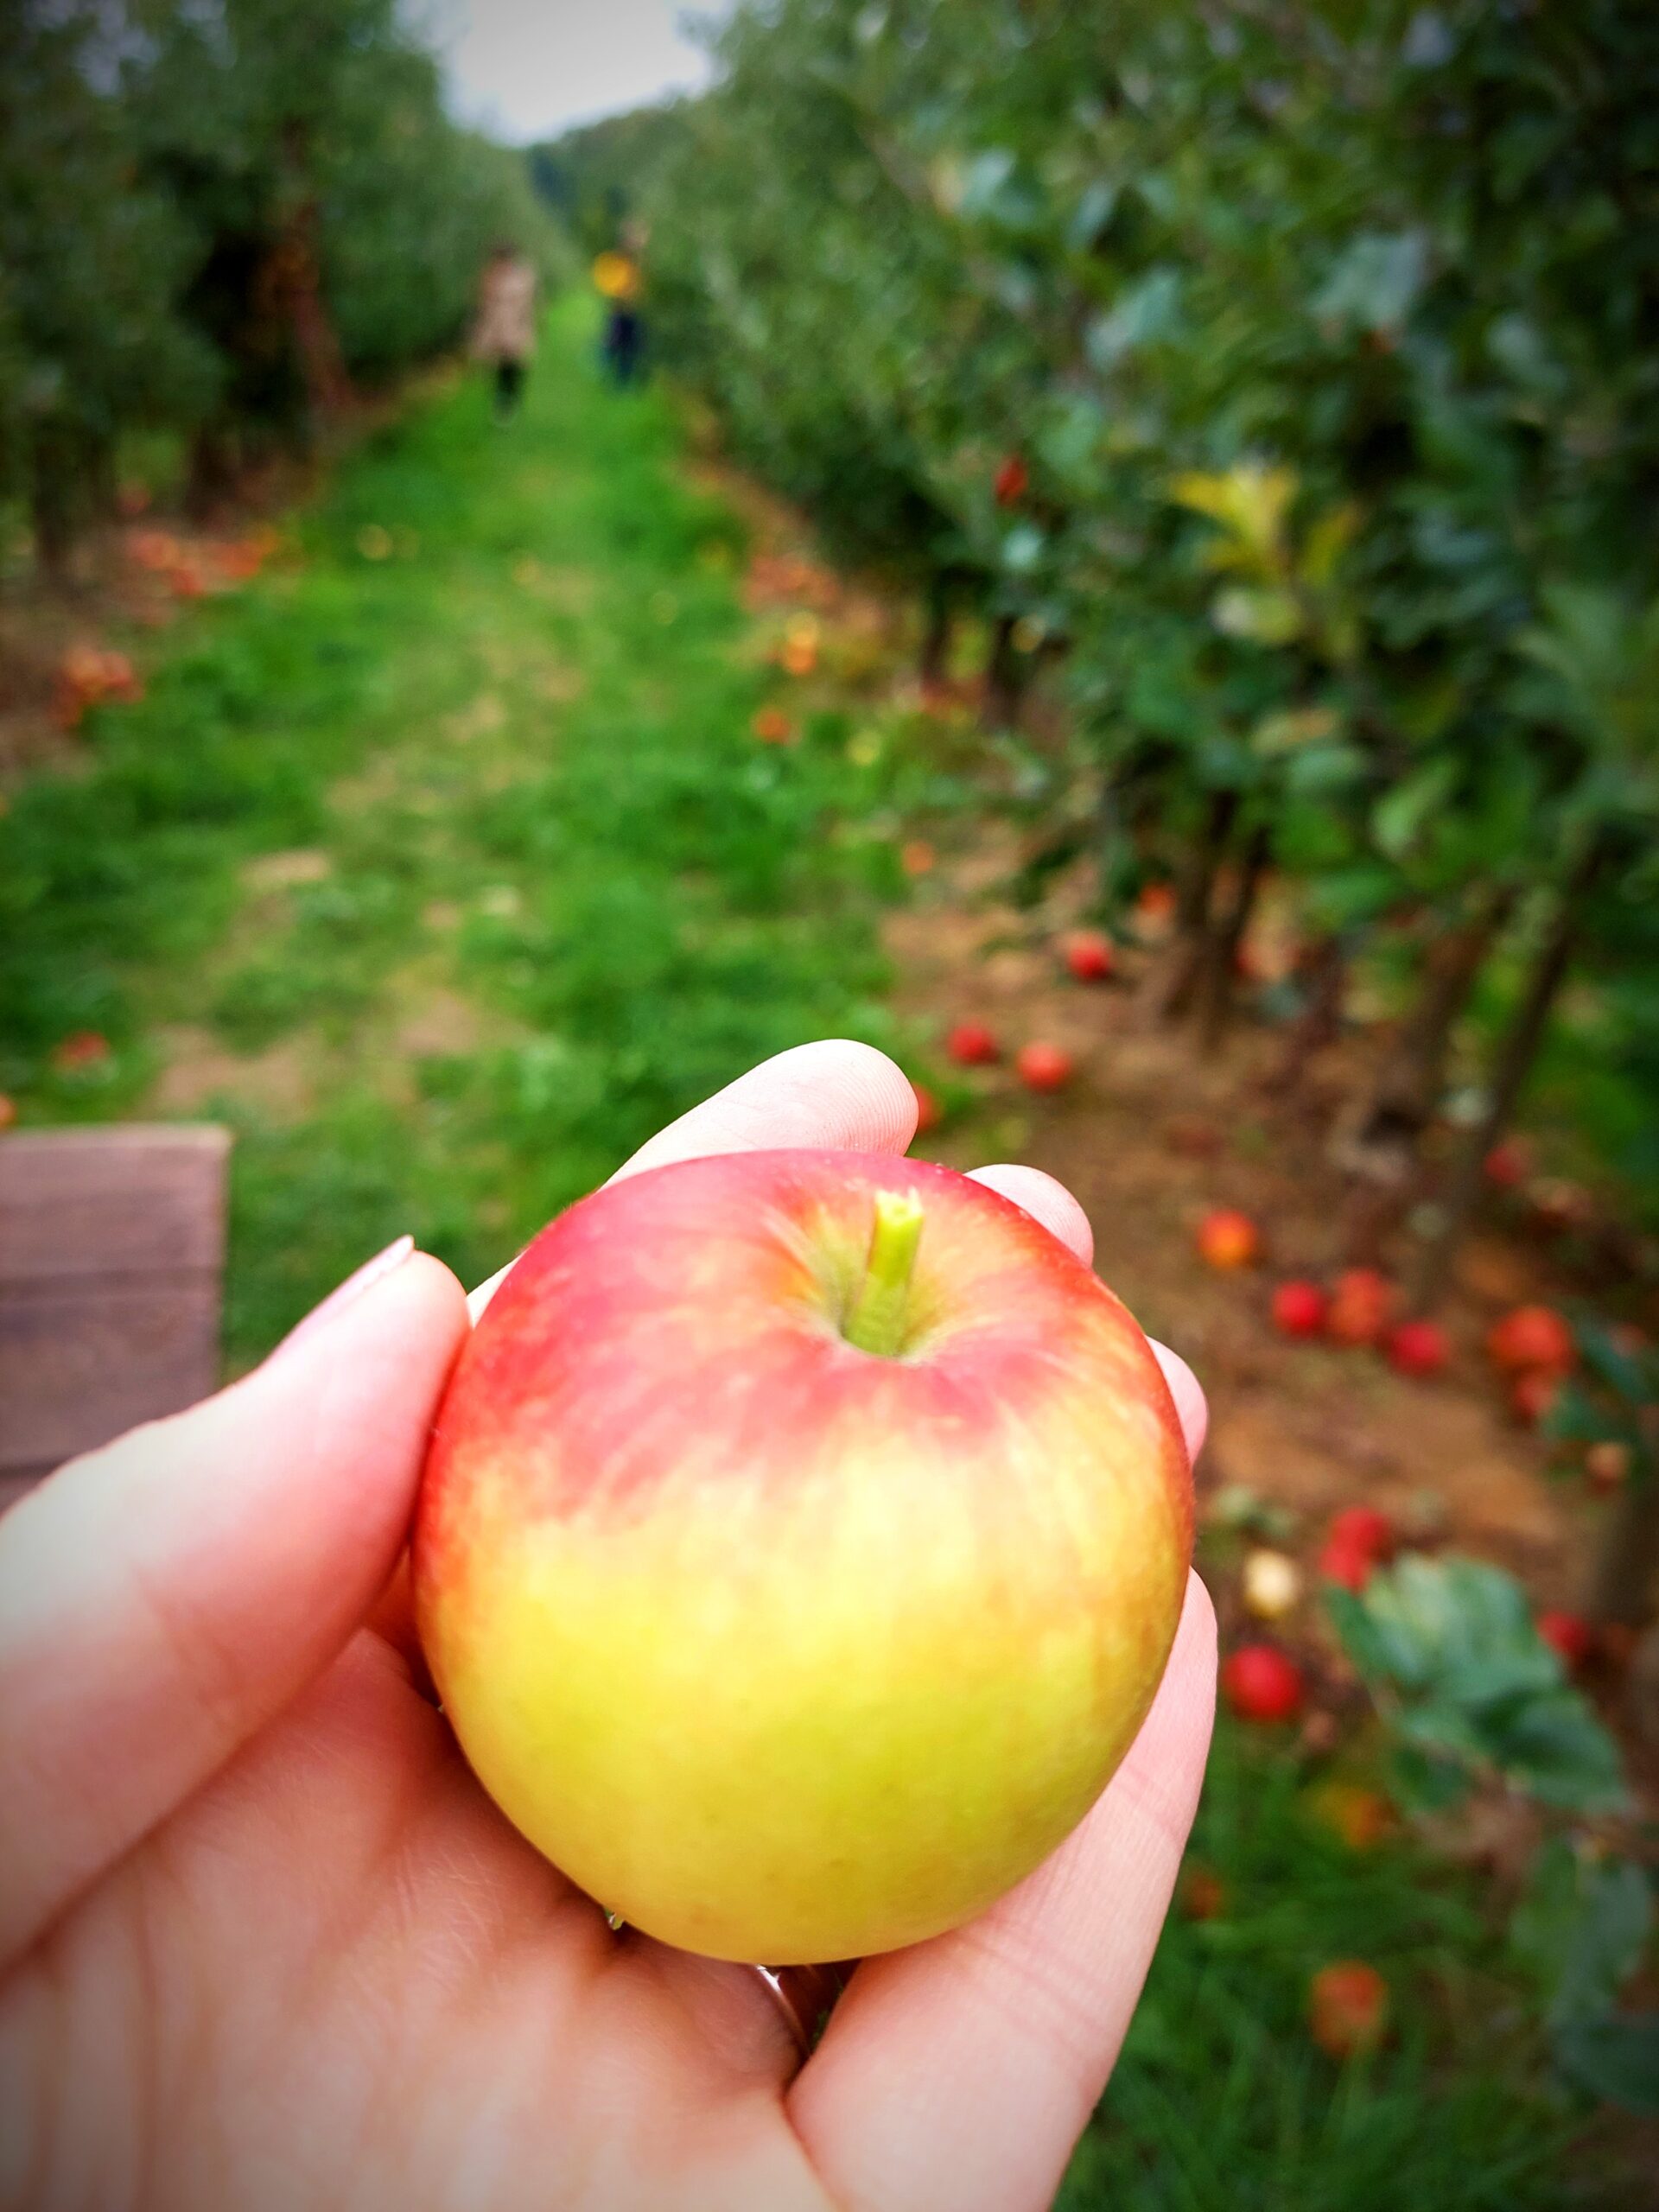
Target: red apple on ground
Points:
x,y
1011,481
1607,1463
1362,1306
1347,2008
1299,1309
1271,1585
1346,1563
82,1048
1569,1634
1360,1816
1364,1527
1507,1165
801,1543
1228,1238
1043,1067
929,1112
772,726
971,1045
1260,1683
1090,955
1154,910
1417,1348
1533,1395
1531,1336
1203,1894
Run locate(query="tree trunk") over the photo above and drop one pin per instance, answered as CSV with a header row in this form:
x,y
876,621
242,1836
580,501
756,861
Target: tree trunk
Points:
x,y
1412,1077
52,500
936,633
211,477
1177,977
1516,1055
1626,1563
298,281
1221,959
100,476
1324,974
328,388
1381,1154
1004,679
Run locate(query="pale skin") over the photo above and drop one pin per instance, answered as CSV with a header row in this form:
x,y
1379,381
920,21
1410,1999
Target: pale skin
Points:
x,y
266,1945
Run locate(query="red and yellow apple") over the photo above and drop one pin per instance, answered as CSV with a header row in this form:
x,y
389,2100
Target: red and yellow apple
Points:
x,y
801,1543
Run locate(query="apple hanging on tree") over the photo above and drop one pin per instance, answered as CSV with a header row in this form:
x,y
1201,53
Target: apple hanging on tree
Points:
x,y
801,1543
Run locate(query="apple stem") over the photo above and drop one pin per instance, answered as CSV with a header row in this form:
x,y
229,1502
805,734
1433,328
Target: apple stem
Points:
x,y
877,1318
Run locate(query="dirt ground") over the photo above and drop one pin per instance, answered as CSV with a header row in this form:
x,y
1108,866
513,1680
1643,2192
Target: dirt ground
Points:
x,y
1150,1140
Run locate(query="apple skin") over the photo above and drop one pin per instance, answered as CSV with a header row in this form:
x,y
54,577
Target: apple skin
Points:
x,y
781,1649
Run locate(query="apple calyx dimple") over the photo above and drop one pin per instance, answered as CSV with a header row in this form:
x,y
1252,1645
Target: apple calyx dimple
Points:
x,y
878,1317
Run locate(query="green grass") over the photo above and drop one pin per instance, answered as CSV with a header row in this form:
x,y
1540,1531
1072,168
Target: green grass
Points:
x,y
454,875
1222,2103
549,890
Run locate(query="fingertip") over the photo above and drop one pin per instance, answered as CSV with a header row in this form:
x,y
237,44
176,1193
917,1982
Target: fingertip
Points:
x,y
1190,1404
1045,1200
877,1099
834,1094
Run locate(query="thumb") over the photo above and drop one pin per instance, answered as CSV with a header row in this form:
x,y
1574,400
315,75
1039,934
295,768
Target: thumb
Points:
x,y
164,1599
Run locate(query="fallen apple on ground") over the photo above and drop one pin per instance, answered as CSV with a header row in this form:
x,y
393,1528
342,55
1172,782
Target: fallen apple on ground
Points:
x,y
801,1543
929,1112
1228,1238
1347,1563
1271,1585
1347,2008
1366,1528
971,1045
1569,1634
1531,1337
1043,1067
1299,1308
1089,956
1260,1683
1417,1348
1361,1308
1533,1395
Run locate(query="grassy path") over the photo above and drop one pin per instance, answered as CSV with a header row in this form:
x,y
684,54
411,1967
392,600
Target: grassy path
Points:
x,y
442,863
445,866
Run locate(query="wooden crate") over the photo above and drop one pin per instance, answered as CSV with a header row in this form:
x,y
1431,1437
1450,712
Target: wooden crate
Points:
x,y
111,1266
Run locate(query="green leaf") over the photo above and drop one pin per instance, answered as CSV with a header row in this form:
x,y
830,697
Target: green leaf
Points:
x,y
1581,1927
1375,282
1147,310
1616,2058
1464,1677
1400,815
1262,613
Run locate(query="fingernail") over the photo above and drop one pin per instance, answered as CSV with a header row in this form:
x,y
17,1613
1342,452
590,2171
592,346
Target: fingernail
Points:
x,y
371,1272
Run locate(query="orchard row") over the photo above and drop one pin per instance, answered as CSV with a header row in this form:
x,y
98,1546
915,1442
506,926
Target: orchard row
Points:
x,y
1276,392
215,224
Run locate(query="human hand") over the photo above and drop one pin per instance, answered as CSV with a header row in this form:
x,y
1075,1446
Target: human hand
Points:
x,y
266,1944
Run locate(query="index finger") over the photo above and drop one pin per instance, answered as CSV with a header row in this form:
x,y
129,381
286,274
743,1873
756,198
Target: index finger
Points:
x,y
833,1094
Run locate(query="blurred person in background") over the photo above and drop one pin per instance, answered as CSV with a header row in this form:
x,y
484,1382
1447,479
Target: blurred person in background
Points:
x,y
505,330
617,279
